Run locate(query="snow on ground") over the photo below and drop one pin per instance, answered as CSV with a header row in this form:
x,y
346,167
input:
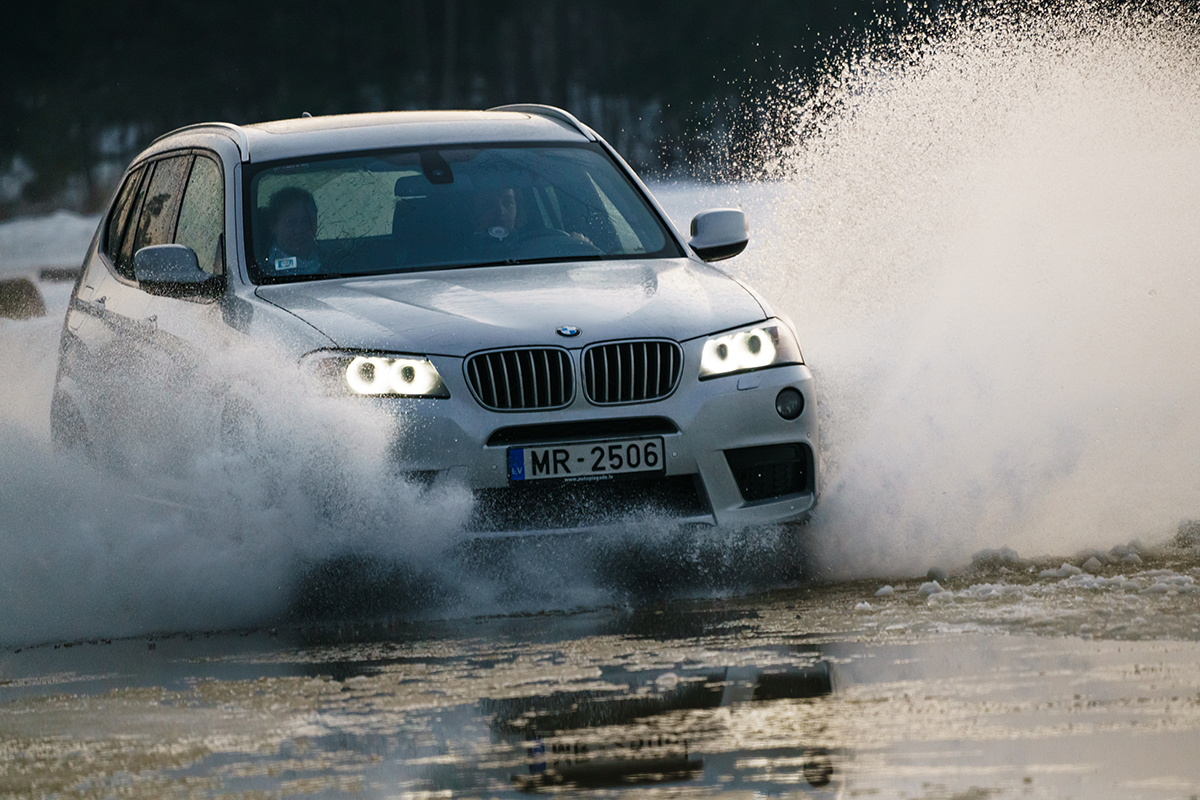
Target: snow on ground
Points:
x,y
1130,592
54,240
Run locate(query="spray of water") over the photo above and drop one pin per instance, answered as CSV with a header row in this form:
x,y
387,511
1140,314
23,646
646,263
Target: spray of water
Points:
x,y
300,515
990,242
192,533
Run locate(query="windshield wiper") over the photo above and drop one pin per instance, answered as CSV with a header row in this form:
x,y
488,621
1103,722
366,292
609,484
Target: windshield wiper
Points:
x,y
511,262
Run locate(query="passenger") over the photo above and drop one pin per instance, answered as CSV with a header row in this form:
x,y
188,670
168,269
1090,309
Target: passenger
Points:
x,y
292,219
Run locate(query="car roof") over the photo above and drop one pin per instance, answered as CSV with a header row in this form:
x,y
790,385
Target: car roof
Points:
x,y
305,136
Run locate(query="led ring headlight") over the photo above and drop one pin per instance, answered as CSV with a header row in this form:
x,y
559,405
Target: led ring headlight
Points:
x,y
377,375
765,345
404,376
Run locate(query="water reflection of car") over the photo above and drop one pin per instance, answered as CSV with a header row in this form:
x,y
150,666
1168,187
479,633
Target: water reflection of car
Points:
x,y
569,356
661,730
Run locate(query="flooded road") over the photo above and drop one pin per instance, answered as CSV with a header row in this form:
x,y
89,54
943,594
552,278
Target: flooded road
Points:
x,y
1013,679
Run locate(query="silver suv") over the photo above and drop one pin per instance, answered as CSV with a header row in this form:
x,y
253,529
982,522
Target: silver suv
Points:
x,y
500,283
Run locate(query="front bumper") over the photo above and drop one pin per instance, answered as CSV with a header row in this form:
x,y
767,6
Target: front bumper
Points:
x,y
730,458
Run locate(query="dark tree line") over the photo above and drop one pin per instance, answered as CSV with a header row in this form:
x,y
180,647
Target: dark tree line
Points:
x,y
673,84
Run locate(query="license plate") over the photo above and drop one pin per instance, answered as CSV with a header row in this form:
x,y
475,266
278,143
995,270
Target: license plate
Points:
x,y
588,461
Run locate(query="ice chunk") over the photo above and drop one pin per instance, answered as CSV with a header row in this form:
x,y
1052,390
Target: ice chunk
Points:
x,y
1188,533
990,558
930,589
988,591
1092,565
1065,571
1085,555
885,591
863,606
667,681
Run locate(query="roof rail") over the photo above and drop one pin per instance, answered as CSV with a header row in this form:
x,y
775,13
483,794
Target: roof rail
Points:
x,y
552,113
233,131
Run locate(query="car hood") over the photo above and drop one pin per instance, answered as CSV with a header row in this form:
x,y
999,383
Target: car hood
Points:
x,y
455,312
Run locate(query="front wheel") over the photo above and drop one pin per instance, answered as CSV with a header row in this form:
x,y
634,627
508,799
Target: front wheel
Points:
x,y
68,432
241,427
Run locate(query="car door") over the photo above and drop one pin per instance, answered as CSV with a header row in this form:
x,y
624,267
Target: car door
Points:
x,y
103,327
189,333
119,367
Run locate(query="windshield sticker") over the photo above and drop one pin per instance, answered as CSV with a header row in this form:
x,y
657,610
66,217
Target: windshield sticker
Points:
x,y
285,263
499,232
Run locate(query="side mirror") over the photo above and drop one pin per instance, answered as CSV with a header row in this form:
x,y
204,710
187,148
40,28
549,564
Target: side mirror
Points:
x,y
719,234
173,270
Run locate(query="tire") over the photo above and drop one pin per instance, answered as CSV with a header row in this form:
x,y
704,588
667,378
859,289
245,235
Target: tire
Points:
x,y
241,428
68,432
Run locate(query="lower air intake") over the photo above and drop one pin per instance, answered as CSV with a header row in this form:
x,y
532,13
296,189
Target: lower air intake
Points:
x,y
557,505
771,471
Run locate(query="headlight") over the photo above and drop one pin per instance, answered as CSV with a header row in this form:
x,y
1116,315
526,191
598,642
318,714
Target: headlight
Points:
x,y
377,375
767,345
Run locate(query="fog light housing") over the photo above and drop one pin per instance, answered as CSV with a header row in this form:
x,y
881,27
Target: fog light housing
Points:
x,y
789,403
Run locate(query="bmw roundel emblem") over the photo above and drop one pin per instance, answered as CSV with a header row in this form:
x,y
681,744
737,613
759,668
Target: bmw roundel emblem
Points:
x,y
568,331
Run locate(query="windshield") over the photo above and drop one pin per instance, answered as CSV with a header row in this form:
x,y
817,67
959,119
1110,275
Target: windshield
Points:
x,y
443,208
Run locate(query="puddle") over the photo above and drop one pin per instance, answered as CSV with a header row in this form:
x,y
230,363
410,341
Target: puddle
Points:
x,y
736,698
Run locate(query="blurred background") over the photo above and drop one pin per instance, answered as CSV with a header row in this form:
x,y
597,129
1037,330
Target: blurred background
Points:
x,y
686,88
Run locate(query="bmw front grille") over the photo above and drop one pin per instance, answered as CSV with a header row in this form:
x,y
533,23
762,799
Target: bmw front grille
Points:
x,y
631,372
525,379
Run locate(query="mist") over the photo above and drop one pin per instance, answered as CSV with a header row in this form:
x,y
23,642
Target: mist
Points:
x,y
990,246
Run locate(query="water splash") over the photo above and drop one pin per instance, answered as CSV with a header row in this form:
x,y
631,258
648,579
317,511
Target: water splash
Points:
x,y
990,243
178,531
196,535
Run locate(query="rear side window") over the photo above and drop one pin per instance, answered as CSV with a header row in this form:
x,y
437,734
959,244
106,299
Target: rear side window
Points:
x,y
124,257
118,220
202,216
160,208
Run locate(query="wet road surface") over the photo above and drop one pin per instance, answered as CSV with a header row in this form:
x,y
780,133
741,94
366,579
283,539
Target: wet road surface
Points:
x,y
1014,679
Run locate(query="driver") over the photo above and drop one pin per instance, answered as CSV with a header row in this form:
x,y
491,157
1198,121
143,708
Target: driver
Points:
x,y
496,216
292,219
496,212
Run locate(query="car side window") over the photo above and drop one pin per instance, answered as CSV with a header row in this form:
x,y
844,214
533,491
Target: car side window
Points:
x,y
118,221
159,207
123,257
202,216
